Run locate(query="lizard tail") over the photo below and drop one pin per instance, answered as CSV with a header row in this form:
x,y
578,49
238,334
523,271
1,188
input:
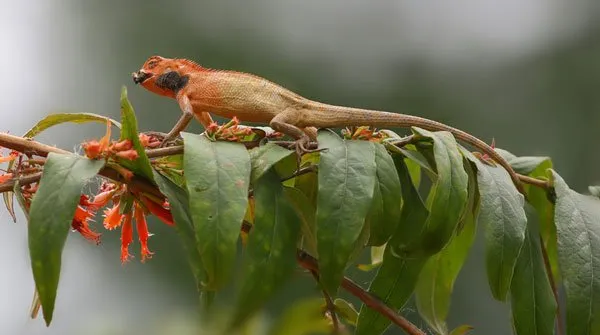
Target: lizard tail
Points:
x,y
328,116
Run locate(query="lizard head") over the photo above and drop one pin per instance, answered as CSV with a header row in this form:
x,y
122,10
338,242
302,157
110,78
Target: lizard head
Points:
x,y
163,76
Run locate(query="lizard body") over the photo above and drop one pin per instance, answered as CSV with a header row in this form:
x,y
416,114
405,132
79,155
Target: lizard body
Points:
x,y
200,91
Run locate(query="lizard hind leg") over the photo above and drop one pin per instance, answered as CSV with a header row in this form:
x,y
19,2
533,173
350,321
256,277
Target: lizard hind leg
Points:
x,y
283,123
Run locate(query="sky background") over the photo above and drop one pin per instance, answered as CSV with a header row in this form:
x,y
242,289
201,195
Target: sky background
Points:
x,y
523,72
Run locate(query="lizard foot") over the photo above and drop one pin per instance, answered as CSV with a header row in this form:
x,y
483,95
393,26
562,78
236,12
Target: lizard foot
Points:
x,y
302,146
169,139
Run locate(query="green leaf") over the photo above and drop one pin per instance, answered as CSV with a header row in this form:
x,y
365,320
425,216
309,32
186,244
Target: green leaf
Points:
x,y
48,122
384,215
308,183
393,284
171,167
538,198
532,302
347,174
505,222
303,317
50,217
414,213
536,167
528,164
140,166
376,259
9,204
594,190
461,330
448,197
271,249
179,202
21,199
577,220
416,158
264,157
436,281
397,276
59,118
346,311
218,176
306,211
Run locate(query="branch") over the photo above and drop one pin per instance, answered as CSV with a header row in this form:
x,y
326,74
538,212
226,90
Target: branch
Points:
x,y
36,148
559,322
310,263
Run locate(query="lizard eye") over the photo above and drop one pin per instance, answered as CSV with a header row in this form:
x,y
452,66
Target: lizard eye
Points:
x,y
152,64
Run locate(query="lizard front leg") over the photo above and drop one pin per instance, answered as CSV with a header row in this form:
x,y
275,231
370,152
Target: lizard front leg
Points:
x,y
187,114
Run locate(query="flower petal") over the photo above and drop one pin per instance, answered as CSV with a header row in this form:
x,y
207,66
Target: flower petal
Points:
x,y
112,217
126,238
142,230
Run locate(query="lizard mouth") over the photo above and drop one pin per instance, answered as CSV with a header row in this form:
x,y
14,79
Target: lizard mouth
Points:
x,y
140,76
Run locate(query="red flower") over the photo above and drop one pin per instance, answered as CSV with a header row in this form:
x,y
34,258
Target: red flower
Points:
x,y
80,224
126,238
5,177
142,230
162,213
112,217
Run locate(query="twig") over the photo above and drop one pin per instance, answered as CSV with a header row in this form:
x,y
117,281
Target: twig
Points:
x,y
330,305
33,147
310,263
559,322
541,183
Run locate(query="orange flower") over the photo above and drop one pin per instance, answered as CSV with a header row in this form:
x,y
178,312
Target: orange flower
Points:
x,y
142,230
95,149
105,140
92,149
128,154
123,172
122,145
126,238
10,157
112,217
5,177
101,199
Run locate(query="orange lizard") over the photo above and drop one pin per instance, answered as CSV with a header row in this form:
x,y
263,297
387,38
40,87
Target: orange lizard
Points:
x,y
200,90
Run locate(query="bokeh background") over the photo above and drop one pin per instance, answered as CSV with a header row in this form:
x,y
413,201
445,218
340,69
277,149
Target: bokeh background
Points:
x,y
526,73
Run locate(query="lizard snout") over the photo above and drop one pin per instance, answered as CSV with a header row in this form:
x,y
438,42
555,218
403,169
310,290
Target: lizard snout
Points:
x,y
140,76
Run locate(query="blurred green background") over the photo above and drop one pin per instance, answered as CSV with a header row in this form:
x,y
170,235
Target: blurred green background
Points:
x,y
525,73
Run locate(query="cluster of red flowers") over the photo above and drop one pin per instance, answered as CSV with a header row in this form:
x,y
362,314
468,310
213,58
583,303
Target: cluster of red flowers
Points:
x,y
126,207
363,133
105,149
3,159
231,131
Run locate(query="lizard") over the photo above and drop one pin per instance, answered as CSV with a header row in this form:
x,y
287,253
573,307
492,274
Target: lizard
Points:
x,y
200,91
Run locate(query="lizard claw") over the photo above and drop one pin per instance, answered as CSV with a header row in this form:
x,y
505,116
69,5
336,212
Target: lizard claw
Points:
x,y
301,147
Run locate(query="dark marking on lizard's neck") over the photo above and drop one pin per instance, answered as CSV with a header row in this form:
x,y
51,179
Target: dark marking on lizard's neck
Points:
x,y
172,81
